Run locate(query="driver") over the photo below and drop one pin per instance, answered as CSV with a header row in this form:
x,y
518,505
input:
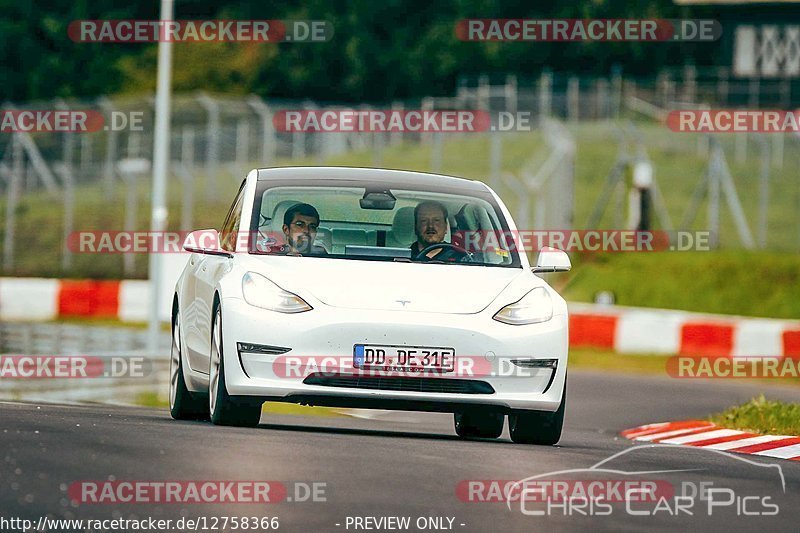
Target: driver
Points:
x,y
430,226
300,224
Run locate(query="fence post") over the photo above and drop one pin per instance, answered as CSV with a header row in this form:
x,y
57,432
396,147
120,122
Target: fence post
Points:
x,y
689,83
242,143
267,130
763,193
436,152
601,99
740,146
131,170
377,149
665,86
573,99
187,173
723,74
86,153
713,194
616,87
134,145
12,199
545,93
495,158
299,142
511,94
111,150
396,137
212,144
777,149
484,92
702,140
69,192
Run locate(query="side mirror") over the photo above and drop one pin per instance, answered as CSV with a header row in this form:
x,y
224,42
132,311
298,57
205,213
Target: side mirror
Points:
x,y
204,241
552,260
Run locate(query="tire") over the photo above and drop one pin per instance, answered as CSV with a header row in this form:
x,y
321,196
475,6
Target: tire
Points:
x,y
479,423
226,410
538,427
183,404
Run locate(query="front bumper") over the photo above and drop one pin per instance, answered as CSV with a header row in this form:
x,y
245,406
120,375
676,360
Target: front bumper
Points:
x,y
326,335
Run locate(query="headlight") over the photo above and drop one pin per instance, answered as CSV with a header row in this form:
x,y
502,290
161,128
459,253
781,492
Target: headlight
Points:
x,y
536,306
261,292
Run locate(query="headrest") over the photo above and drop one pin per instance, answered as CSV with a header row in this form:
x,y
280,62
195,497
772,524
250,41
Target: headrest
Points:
x,y
403,225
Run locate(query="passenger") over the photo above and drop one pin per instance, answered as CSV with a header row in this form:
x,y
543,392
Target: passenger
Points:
x,y
300,224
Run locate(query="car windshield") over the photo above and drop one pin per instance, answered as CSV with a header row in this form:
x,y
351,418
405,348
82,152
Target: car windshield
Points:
x,y
379,223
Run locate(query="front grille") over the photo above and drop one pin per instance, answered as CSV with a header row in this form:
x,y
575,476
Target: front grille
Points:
x,y
405,384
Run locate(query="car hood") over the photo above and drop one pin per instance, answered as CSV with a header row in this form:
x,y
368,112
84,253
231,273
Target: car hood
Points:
x,y
375,285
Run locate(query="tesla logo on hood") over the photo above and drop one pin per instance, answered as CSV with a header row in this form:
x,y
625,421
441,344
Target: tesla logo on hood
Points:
x,y
403,302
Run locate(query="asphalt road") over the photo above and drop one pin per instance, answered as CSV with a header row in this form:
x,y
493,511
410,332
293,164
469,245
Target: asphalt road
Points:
x,y
393,464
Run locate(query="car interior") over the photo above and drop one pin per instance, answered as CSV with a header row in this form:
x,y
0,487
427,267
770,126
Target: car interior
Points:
x,y
378,233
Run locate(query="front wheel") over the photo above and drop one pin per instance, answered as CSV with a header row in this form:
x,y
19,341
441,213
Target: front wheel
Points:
x,y
482,424
183,404
538,427
226,410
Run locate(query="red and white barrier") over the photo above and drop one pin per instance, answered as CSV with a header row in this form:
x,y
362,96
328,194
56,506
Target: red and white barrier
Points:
x,y
662,331
622,329
51,299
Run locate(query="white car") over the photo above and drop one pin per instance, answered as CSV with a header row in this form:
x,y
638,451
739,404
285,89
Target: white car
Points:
x,y
370,288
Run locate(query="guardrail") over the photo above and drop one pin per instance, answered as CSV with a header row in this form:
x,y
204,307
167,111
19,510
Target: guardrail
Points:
x,y
103,342
65,339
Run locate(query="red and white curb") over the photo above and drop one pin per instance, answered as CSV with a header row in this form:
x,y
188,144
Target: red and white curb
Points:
x,y
703,434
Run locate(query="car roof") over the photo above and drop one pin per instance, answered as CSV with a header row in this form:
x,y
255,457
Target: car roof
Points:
x,y
389,177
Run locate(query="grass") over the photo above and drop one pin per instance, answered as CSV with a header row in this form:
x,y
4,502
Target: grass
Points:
x,y
748,283
104,322
760,415
646,364
609,361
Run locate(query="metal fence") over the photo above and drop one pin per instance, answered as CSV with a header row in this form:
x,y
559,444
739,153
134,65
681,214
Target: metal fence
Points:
x,y
216,139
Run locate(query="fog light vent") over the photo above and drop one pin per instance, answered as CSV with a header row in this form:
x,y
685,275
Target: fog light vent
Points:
x,y
249,347
536,363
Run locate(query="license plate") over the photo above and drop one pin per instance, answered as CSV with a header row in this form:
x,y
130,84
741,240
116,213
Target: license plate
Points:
x,y
405,358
